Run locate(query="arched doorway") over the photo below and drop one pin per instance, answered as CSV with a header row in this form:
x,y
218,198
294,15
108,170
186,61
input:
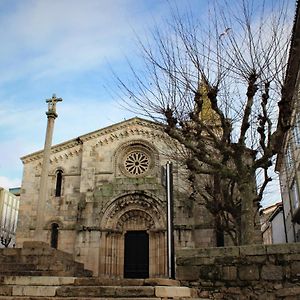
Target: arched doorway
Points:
x,y
129,222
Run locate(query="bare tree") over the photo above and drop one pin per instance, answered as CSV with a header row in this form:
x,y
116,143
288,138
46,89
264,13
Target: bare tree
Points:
x,y
216,86
5,241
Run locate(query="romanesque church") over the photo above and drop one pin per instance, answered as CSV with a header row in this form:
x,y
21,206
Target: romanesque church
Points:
x,y
106,200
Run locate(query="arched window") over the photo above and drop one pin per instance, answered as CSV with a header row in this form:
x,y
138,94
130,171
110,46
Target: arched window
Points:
x,y
54,235
58,186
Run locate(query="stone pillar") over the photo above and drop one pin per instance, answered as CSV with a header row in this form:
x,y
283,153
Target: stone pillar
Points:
x,y
51,115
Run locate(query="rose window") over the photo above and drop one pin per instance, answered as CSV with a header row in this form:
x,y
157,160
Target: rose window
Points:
x,y
137,163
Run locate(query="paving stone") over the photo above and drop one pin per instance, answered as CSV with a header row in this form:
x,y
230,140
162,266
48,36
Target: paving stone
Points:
x,y
170,291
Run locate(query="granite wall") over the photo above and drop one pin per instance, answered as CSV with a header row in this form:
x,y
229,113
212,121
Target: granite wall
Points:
x,y
245,272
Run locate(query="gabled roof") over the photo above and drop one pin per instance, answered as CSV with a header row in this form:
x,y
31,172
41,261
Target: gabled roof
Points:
x,y
94,134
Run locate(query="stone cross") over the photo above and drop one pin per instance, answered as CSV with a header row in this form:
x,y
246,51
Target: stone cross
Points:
x,y
40,235
52,103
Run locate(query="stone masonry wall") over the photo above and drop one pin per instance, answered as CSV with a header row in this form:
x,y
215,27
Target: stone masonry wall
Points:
x,y
263,272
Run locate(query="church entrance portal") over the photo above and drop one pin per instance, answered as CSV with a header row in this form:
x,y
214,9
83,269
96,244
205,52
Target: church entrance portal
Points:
x,y
133,240
136,254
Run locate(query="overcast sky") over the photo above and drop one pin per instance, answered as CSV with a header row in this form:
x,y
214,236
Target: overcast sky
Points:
x,y
67,47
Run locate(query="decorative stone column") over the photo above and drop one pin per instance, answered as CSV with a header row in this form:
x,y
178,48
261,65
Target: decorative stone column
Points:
x,y
51,115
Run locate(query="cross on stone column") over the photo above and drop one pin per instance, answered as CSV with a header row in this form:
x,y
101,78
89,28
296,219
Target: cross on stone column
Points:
x,y
52,105
43,193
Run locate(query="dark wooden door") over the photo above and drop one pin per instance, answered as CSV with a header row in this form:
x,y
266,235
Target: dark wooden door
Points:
x,y
136,254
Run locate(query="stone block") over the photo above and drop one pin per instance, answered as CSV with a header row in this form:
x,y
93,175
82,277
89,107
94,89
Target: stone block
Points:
x,y
291,257
217,252
170,291
10,251
256,259
252,250
210,272
295,269
84,291
290,291
229,273
187,273
38,280
283,248
250,272
162,282
194,261
132,291
5,290
17,267
271,272
36,291
266,296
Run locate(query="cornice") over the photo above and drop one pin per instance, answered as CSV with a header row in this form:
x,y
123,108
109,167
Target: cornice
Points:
x,y
111,130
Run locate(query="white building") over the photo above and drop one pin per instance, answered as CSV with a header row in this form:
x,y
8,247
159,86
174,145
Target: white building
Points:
x,y
9,207
273,224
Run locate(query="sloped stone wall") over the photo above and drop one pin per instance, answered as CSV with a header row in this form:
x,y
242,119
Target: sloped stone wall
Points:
x,y
245,272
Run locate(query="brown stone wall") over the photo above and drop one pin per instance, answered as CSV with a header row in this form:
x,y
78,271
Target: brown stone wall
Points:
x,y
246,272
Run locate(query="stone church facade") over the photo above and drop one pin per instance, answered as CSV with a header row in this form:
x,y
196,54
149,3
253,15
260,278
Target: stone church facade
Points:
x,y
106,201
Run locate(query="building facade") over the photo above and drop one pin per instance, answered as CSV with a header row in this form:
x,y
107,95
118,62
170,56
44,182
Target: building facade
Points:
x,y
9,207
106,201
273,224
288,161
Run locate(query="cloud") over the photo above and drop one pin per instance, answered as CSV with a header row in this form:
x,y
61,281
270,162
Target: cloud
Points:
x,y
8,183
47,38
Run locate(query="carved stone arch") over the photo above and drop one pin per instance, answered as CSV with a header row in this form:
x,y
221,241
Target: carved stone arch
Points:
x,y
136,158
135,220
54,220
137,201
56,169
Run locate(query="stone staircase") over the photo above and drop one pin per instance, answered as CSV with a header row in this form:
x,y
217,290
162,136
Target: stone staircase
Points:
x,y
38,271
39,259
74,288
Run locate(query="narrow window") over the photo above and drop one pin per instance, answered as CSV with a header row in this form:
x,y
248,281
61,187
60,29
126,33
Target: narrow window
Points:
x,y
58,183
294,195
54,235
296,130
288,157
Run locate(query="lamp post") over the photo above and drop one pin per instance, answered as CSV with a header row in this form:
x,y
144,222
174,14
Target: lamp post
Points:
x,y
170,225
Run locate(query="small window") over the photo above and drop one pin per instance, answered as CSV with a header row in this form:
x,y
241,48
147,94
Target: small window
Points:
x,y
58,186
54,235
288,157
296,130
294,195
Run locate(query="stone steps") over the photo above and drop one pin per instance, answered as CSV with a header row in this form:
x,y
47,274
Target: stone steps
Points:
x,y
53,287
39,259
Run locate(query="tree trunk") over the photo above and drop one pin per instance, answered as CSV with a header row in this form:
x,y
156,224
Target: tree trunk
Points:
x,y
248,194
